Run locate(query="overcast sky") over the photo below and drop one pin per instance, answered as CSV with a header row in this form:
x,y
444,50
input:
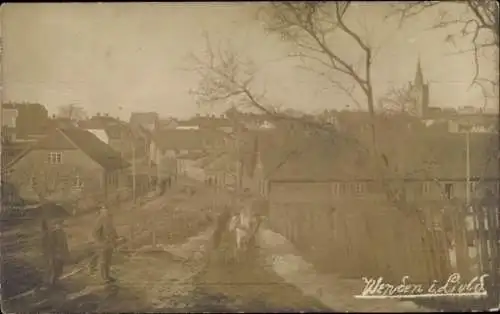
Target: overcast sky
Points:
x,y
106,56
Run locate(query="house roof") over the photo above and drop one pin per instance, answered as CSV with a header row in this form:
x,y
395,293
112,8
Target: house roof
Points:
x,y
412,152
114,128
75,138
11,150
101,134
421,157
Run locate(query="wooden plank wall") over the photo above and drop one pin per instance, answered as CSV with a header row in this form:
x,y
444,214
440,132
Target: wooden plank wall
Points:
x,y
366,242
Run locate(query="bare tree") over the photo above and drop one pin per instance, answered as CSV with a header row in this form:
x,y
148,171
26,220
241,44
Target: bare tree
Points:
x,y
225,76
72,112
54,182
478,23
397,100
311,28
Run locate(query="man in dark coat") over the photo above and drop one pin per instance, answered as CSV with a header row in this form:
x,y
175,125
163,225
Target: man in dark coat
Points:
x,y
60,252
105,237
47,250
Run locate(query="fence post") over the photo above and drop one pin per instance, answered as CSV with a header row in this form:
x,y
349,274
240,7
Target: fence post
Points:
x,y
483,245
153,234
491,213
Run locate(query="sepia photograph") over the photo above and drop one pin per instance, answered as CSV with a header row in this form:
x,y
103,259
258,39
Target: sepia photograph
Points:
x,y
233,157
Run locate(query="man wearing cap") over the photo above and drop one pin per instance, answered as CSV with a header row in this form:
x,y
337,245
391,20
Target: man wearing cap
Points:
x,y
105,237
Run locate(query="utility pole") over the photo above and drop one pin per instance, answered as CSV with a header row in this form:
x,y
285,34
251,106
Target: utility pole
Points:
x,y
132,146
133,172
467,166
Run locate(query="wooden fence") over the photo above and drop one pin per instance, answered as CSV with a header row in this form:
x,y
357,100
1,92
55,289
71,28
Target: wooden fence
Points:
x,y
486,236
382,242
367,242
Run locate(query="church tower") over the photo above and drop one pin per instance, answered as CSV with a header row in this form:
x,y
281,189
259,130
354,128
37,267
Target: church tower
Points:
x,y
419,93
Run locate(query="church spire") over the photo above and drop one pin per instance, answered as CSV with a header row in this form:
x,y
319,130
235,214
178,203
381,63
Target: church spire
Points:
x,y
419,77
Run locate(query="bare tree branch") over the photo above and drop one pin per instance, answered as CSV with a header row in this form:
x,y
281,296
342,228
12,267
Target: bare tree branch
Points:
x,y
481,16
308,28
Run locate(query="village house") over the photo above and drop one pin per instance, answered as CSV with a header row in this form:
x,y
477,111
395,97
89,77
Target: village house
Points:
x,y
134,143
68,165
238,161
111,131
184,148
319,186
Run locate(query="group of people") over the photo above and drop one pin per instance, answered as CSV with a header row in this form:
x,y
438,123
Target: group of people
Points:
x,y
235,231
56,253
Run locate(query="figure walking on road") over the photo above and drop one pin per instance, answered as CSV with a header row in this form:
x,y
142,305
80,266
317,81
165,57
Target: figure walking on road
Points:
x,y
105,237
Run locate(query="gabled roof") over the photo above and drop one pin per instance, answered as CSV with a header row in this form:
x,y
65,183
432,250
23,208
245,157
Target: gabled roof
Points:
x,y
417,157
101,134
114,128
100,152
75,138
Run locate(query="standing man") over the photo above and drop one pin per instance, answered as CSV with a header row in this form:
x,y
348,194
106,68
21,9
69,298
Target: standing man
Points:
x,y
60,252
105,237
47,249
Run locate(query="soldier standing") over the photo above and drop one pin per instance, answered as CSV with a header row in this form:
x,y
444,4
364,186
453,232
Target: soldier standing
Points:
x,y
59,241
105,236
47,252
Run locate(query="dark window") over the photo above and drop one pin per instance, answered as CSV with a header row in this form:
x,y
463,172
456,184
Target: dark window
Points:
x,y
448,190
472,186
426,188
55,158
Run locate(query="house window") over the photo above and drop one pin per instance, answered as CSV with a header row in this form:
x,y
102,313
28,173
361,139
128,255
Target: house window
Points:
x,y
336,189
358,188
113,179
426,188
78,182
55,158
448,190
472,187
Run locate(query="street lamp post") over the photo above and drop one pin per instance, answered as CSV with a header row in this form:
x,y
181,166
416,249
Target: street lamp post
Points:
x,y
467,166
